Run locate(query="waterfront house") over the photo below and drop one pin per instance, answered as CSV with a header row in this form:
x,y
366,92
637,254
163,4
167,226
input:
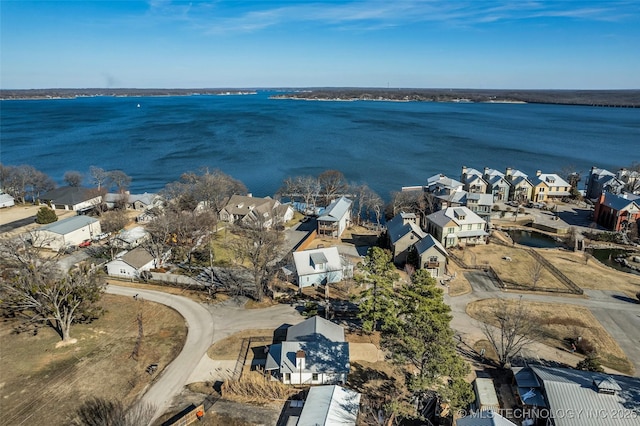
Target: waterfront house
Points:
x,y
330,405
66,232
402,233
480,204
132,263
548,187
473,181
432,256
442,185
521,188
320,266
249,211
457,226
631,179
130,238
315,352
73,198
335,218
601,180
497,185
617,212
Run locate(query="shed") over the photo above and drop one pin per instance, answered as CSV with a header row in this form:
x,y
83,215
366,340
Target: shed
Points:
x,y
330,405
486,397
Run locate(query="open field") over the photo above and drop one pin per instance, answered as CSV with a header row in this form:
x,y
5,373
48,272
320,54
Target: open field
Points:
x,y
559,322
41,384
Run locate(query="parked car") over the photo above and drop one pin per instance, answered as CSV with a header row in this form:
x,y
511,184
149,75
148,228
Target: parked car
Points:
x,y
100,237
85,243
69,249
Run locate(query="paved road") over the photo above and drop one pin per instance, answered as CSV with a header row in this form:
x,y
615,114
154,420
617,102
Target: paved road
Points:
x,y
619,315
207,324
199,338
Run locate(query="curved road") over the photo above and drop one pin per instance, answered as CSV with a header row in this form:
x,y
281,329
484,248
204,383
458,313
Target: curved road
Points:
x,y
199,338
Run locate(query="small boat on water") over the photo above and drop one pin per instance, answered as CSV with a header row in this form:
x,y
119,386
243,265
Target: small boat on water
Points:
x,y
138,105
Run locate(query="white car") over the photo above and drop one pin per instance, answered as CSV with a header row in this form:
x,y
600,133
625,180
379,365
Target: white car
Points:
x,y
101,236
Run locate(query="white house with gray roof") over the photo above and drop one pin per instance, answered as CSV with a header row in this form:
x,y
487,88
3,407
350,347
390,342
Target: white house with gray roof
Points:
x,y
320,266
71,198
66,232
335,218
132,263
432,256
315,352
457,226
579,398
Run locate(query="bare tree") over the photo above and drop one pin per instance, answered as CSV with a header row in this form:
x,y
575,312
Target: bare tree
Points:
x,y
73,178
404,201
510,329
34,289
120,179
24,182
114,220
260,249
332,184
535,272
99,176
631,177
301,188
102,412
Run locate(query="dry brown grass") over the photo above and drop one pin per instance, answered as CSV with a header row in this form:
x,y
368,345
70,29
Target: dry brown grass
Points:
x,y
200,296
459,285
362,337
254,388
559,322
229,348
44,383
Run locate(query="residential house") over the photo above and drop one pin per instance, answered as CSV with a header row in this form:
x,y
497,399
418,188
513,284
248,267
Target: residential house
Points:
x,y
314,352
330,406
432,256
601,180
442,185
73,198
631,179
66,232
549,187
6,200
497,184
403,232
480,204
568,397
130,238
454,199
132,263
457,226
617,212
521,188
473,181
335,218
144,201
320,266
248,210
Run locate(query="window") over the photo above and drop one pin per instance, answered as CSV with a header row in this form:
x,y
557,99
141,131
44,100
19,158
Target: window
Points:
x,y
469,227
122,271
433,258
451,230
314,377
287,377
479,226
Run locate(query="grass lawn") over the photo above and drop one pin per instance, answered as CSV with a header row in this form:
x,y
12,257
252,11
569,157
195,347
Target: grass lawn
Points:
x,y
559,322
42,383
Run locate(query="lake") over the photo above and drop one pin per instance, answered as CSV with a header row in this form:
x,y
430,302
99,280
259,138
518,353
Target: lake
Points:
x,y
261,141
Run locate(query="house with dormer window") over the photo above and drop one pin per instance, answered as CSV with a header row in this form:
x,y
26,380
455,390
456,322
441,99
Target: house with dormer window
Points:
x,y
549,187
315,352
403,232
320,266
457,226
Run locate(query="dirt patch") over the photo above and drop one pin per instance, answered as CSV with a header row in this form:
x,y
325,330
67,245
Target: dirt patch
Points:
x,y
560,324
57,380
229,348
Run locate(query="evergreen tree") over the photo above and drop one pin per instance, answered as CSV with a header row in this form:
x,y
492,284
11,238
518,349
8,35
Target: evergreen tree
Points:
x,y
46,215
376,303
590,363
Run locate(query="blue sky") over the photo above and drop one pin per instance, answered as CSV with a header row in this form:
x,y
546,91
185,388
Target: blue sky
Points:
x,y
517,44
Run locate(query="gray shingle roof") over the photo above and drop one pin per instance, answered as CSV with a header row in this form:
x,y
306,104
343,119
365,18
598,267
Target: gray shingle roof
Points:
x,y
309,330
138,257
427,242
68,195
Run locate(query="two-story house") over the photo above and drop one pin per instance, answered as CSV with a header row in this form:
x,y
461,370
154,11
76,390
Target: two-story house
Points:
x,y
457,226
473,181
432,256
320,266
521,188
335,218
549,187
403,232
617,212
601,180
497,185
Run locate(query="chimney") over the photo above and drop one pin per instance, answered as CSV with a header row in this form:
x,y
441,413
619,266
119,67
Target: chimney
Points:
x,y
538,173
463,175
300,357
507,174
486,170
